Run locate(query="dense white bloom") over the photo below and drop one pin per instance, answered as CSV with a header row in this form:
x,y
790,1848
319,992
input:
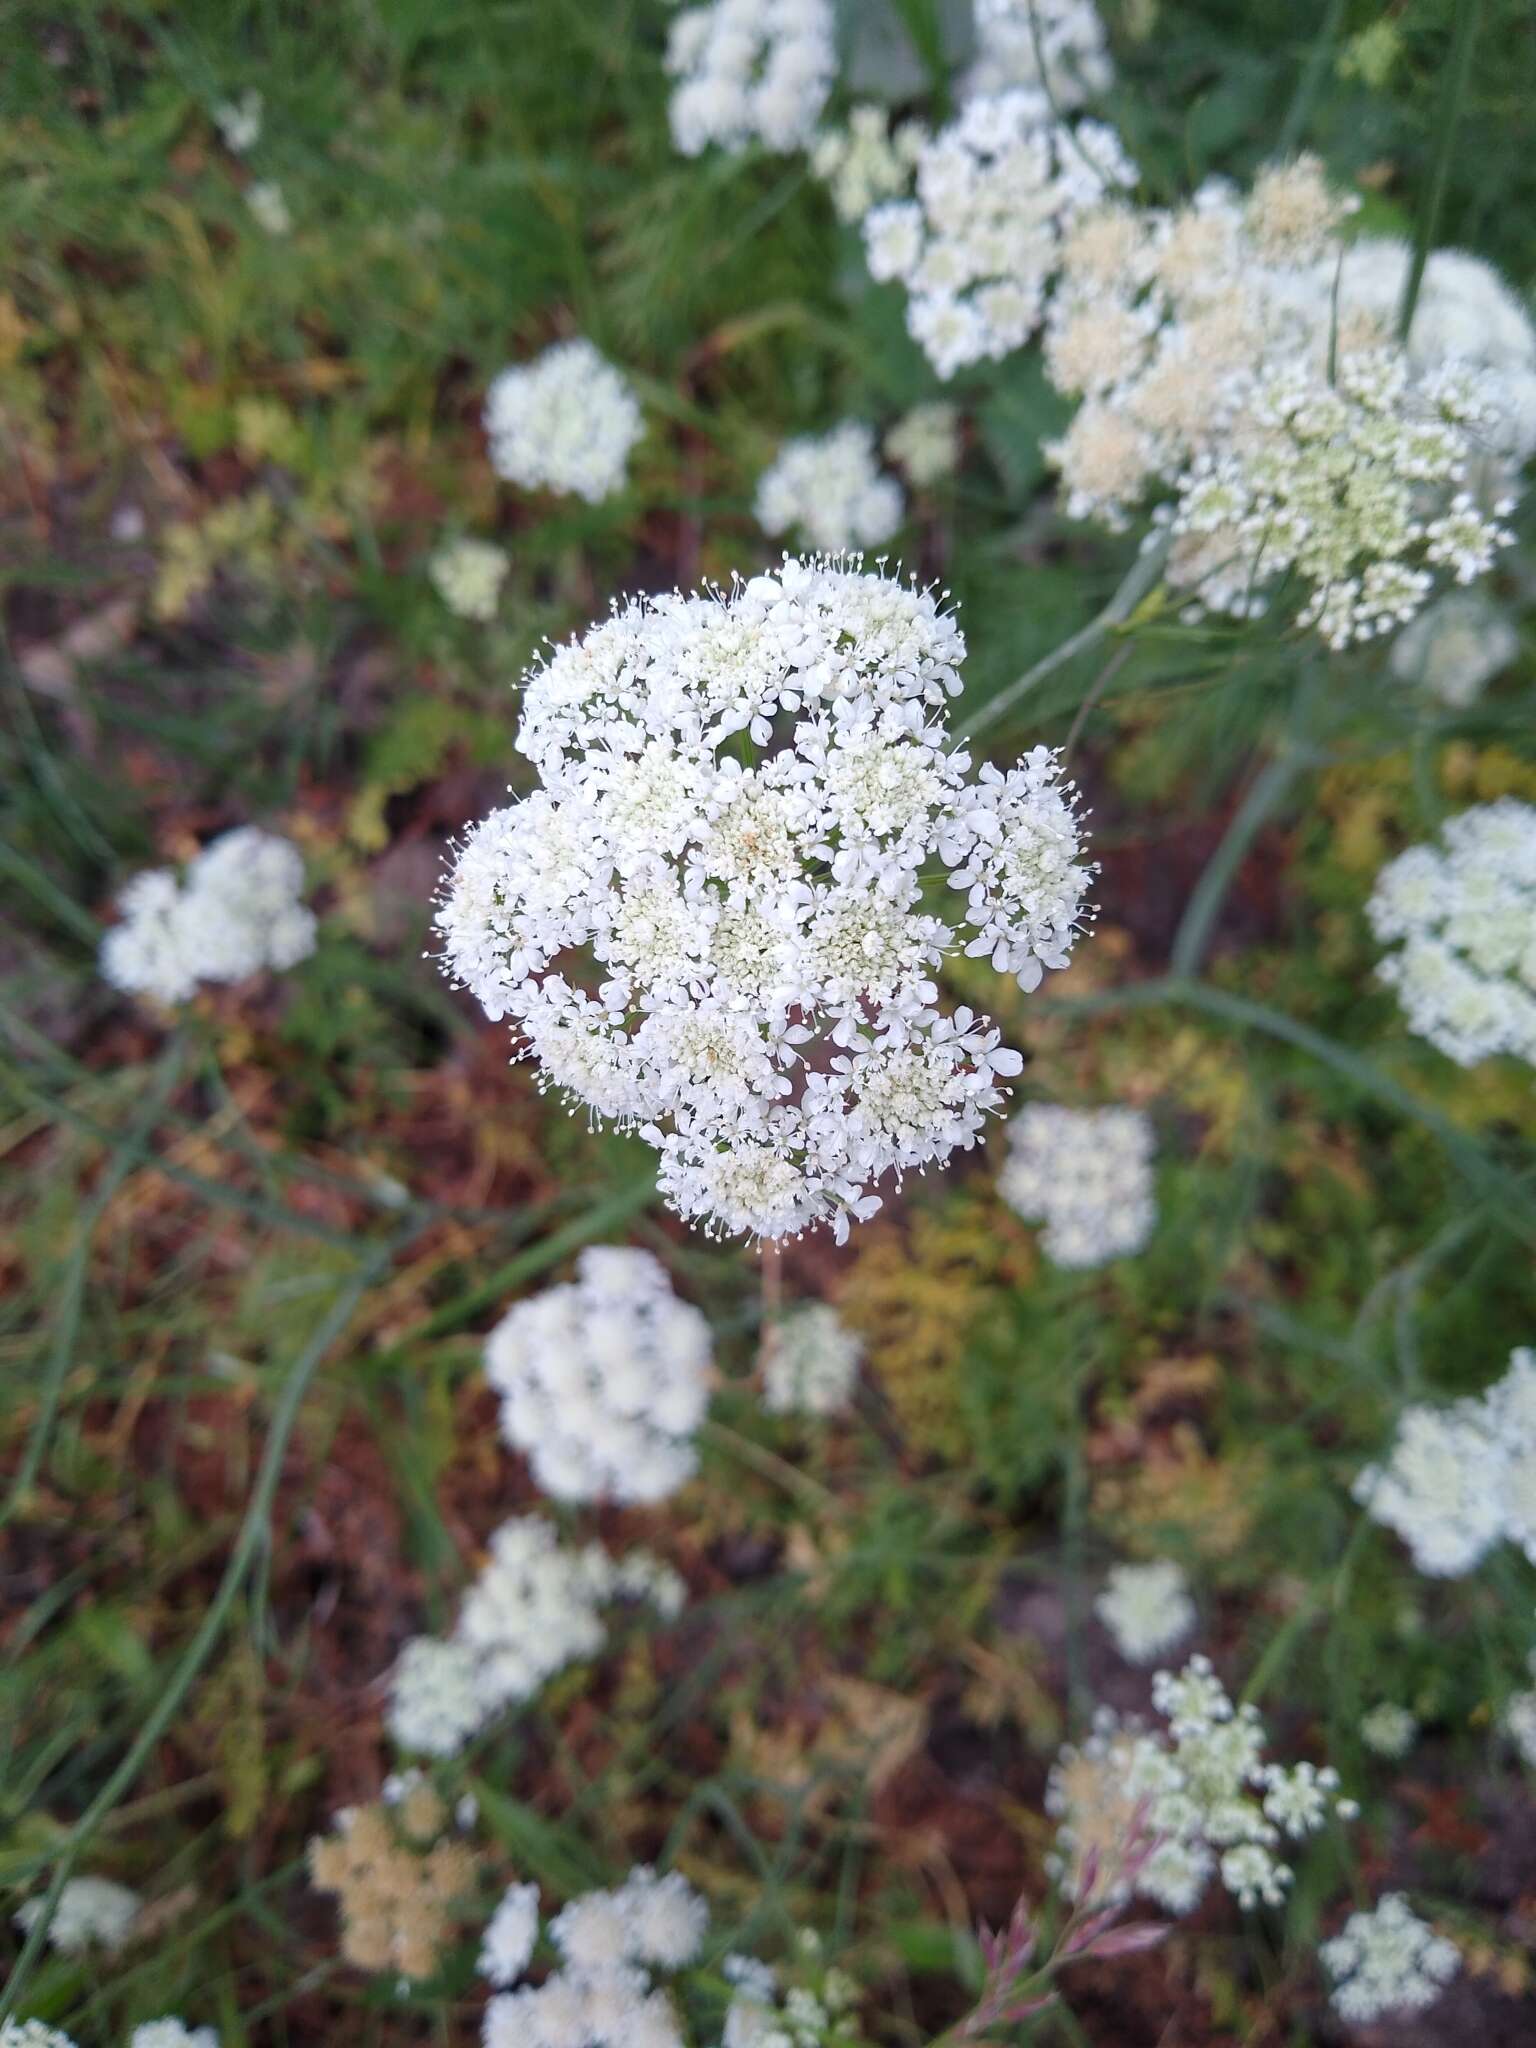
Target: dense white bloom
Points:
x,y
1199,1788
1388,1729
1465,912
604,1380
510,1935
978,245
239,122
564,422
1087,1175
269,208
1146,1608
1388,1960
750,71
236,911
1215,361
926,443
1056,46
812,1365
436,1698
740,794
828,487
33,2034
765,2014
468,575
865,162
172,2033
93,1912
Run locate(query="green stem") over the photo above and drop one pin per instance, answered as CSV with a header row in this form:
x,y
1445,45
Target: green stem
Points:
x,y
253,1537
1266,793
1457,78
1311,78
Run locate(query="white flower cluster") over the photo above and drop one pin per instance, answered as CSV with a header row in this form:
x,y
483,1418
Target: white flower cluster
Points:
x,y
1388,1960
812,1363
828,487
1087,1175
926,443
171,2032
739,794
1388,1729
611,1944
93,1912
33,2034
978,245
239,121
1200,1789
236,911
534,1609
1454,647
750,71
1146,1608
1214,360
1056,46
269,206
1460,1479
866,161
467,575
1465,912
1518,1720
604,1380
564,422
765,2013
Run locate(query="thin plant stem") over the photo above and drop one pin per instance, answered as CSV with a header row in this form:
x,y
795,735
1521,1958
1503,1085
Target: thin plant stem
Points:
x,y
773,1302
1448,120
1312,71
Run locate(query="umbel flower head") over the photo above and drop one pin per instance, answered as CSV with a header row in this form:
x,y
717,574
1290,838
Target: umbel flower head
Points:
x,y
1465,912
1388,1960
564,422
708,921
1058,47
1087,1175
604,1380
828,487
750,71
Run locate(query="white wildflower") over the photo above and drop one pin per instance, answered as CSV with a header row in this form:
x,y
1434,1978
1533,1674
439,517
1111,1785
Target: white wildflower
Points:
x,y
511,1932
740,794
468,575
567,421
33,2034
977,247
239,122
171,2032
93,1912
829,488
1055,46
1388,1729
604,1380
926,443
750,71
269,209
864,162
236,912
1087,1175
812,1363
1455,647
1146,1608
1388,1961
665,1917
436,1698
1465,912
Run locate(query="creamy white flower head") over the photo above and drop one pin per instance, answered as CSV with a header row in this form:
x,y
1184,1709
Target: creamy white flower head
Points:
x,y
269,208
1086,1174
812,1364
1388,1729
567,421
1455,647
1146,1608
511,1932
237,911
1388,1961
978,245
172,2033
239,121
1465,912
866,161
1293,212
829,489
1199,1788
437,1700
537,1607
604,1380
468,575
93,1912
1057,47
750,71
709,921
33,2034
926,443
